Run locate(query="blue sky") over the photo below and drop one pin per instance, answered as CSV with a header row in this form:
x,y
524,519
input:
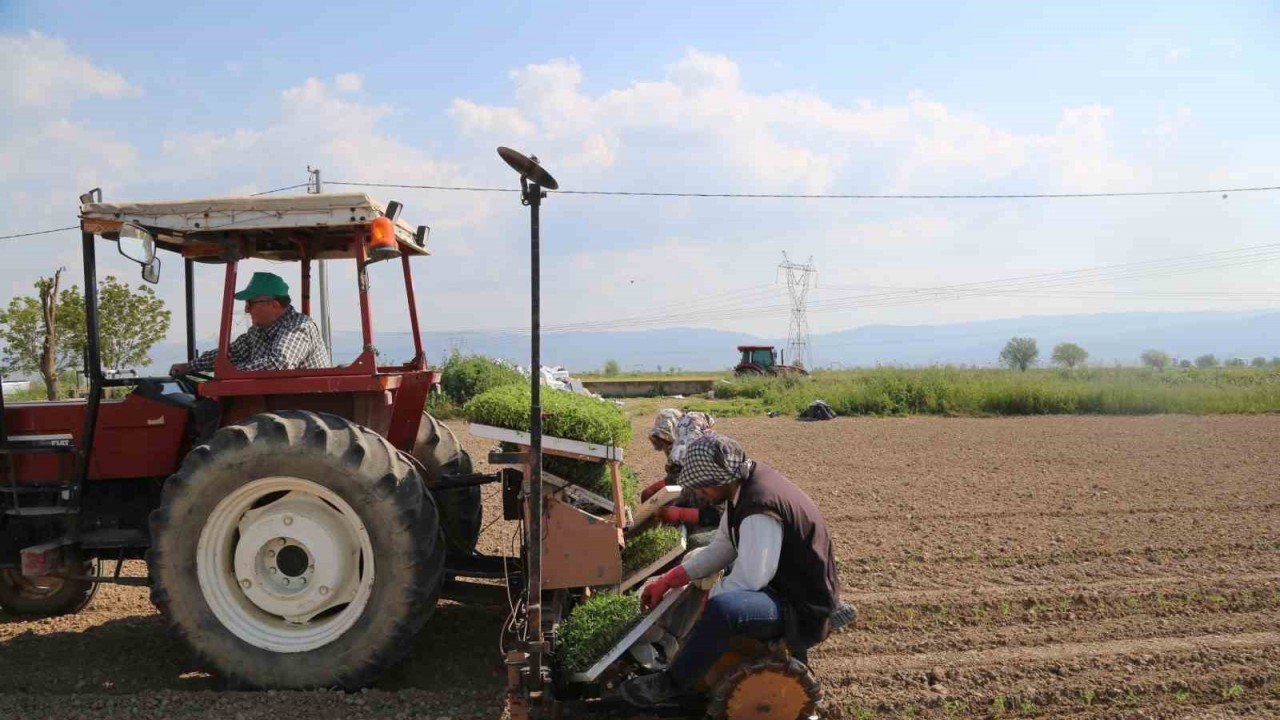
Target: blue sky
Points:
x,y
155,100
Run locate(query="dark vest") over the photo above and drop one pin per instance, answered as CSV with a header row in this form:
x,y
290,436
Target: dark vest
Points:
x,y
806,581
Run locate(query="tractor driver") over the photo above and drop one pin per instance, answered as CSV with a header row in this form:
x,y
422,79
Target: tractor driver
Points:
x,y
281,338
783,583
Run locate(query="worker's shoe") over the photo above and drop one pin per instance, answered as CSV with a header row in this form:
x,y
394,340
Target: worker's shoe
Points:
x,y
649,692
843,616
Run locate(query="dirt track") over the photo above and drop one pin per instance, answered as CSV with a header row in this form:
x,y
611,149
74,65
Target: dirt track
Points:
x,y
1082,567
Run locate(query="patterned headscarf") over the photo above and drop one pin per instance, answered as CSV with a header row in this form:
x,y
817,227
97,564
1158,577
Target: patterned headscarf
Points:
x,y
692,426
664,426
713,460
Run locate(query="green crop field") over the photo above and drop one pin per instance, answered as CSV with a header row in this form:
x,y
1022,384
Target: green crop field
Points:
x,y
994,392
983,392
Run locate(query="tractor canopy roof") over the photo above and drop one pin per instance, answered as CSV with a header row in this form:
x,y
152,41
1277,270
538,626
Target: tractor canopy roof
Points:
x,y
755,347
282,227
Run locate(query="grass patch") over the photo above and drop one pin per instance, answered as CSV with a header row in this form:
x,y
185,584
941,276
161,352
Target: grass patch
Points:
x,y
647,547
565,414
593,627
993,392
442,407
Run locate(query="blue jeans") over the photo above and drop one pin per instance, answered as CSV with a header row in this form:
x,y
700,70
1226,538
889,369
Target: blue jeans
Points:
x,y
737,613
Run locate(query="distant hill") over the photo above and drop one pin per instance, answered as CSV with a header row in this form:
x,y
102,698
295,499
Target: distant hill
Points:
x,y
1109,338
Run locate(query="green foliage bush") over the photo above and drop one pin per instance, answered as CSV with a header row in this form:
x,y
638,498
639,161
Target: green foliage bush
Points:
x,y
593,627
466,377
648,546
565,414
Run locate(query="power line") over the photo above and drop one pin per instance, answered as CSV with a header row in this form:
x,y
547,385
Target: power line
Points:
x,y
829,196
39,232
747,301
289,187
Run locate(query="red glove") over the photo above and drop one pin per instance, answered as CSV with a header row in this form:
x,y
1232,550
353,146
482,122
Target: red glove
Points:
x,y
649,491
652,594
677,515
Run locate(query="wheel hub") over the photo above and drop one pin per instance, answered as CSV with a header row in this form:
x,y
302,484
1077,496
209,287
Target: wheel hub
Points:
x,y
285,564
297,557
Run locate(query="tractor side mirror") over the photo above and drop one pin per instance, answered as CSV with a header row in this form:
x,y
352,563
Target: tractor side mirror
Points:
x,y
151,271
136,244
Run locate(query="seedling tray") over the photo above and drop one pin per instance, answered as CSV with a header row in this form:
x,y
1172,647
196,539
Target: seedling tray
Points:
x,y
643,573
633,635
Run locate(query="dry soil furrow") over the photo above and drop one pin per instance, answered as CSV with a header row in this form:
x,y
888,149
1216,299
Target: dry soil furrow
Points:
x,y
1078,593
1120,674
939,637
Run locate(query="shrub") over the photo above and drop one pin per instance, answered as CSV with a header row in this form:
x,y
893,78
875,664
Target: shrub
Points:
x,y
466,377
565,414
647,547
593,627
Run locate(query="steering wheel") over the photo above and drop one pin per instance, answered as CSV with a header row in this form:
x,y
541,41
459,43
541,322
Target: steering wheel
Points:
x,y
187,380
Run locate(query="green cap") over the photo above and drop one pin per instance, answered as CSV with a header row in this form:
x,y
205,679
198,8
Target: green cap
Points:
x,y
263,283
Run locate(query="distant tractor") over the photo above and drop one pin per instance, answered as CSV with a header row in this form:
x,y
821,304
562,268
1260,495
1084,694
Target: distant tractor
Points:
x,y
763,360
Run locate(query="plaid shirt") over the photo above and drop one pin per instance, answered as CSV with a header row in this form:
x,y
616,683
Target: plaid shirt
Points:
x,y
291,342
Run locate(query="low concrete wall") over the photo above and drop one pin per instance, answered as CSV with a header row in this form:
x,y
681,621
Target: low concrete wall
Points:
x,y
648,388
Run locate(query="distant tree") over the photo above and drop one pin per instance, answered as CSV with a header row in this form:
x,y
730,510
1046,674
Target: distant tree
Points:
x,y
1258,362
40,333
1184,363
130,321
1020,353
611,368
1207,361
1069,355
1236,363
1157,359
1275,362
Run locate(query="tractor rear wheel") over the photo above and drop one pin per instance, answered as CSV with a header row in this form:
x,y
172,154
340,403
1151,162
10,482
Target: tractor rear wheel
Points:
x,y
296,550
461,513
46,596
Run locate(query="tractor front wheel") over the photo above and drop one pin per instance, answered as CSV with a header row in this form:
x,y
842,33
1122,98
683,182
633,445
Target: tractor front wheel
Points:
x,y
46,596
296,550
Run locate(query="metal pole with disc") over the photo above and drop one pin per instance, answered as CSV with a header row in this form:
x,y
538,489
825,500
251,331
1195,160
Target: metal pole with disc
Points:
x,y
314,187
533,179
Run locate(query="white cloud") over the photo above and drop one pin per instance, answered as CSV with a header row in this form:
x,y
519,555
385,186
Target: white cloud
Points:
x,y
348,82
37,71
48,156
700,114
694,126
472,118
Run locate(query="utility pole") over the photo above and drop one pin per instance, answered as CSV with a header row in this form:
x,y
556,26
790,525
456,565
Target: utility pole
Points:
x,y
798,287
314,187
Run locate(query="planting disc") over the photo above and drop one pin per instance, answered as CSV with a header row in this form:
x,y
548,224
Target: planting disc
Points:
x,y
528,168
768,688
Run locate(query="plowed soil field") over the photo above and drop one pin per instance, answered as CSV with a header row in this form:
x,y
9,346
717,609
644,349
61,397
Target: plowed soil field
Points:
x,y
1032,567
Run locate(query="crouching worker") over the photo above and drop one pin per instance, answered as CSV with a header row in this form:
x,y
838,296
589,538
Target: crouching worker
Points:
x,y
672,433
783,584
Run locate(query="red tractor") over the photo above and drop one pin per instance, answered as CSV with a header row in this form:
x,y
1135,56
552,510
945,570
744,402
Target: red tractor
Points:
x,y
763,360
298,525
